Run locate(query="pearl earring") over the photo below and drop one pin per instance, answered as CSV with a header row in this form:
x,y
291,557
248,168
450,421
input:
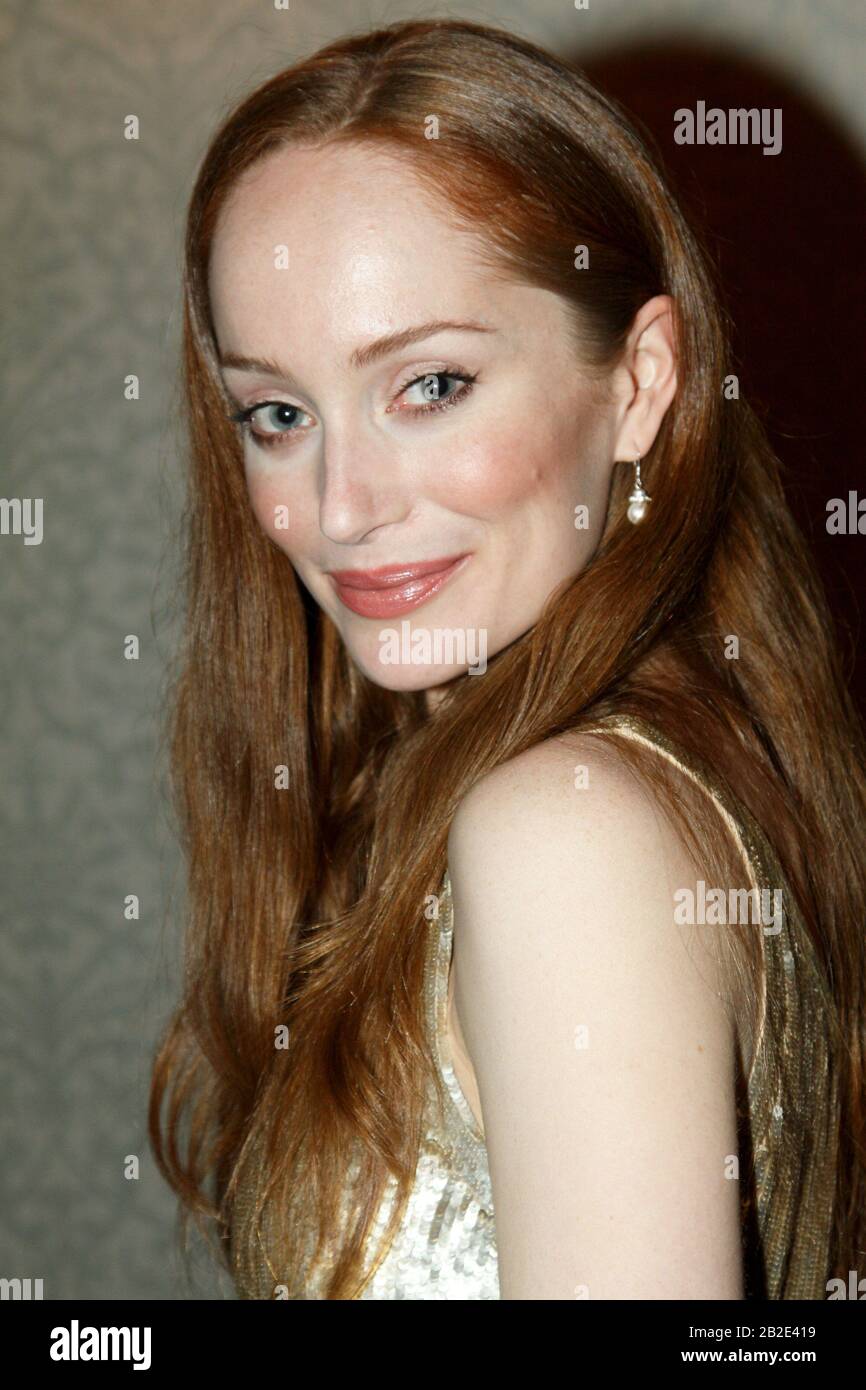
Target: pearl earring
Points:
x,y
638,498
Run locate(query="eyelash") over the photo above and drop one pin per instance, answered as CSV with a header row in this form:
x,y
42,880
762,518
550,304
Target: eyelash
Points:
x,y
275,438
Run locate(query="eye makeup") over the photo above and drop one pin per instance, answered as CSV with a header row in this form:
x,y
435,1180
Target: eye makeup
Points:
x,y
272,439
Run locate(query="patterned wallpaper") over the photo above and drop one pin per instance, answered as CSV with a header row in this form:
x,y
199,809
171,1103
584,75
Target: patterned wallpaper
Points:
x,y
91,227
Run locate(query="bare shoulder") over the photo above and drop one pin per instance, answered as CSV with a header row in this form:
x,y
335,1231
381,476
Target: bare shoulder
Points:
x,y
570,817
570,776
602,1048
566,815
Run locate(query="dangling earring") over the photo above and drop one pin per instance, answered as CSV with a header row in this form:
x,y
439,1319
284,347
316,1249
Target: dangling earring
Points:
x,y
638,498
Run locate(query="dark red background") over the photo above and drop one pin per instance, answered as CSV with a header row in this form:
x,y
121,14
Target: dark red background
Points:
x,y
787,232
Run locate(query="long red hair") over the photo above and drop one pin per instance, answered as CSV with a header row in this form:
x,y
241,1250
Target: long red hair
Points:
x,y
306,902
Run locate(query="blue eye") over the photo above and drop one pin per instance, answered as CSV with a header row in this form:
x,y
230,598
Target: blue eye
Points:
x,y
268,438
433,393
285,416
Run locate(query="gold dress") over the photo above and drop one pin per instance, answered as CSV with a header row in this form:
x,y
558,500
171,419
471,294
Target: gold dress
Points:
x,y
445,1247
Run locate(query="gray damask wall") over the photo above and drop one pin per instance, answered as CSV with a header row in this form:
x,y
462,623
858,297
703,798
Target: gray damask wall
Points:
x,y
91,228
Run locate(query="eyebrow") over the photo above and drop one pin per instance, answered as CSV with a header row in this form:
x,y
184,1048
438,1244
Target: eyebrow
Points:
x,y
363,356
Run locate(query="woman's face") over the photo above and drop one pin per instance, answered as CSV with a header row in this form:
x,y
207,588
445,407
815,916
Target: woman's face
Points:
x,y
382,442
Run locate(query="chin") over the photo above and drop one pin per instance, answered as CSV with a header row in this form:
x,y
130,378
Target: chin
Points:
x,y
408,678
404,657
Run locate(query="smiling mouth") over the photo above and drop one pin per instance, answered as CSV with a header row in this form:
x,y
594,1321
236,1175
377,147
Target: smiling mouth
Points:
x,y
394,589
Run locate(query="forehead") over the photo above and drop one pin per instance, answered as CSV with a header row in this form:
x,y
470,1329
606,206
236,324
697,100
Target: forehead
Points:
x,y
360,233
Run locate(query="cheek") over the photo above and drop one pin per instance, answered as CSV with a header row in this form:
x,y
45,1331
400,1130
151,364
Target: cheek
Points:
x,y
504,469
488,473
275,503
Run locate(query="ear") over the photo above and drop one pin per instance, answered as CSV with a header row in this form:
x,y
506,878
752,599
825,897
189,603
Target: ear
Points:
x,y
645,378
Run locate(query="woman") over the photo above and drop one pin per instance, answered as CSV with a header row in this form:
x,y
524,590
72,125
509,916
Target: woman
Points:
x,y
501,637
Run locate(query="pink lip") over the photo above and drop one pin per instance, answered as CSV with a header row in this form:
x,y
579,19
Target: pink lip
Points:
x,y
393,589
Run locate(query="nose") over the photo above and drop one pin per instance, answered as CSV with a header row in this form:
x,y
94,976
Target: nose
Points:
x,y
363,484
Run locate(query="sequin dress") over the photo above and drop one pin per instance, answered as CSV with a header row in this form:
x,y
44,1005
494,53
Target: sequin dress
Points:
x,y
445,1247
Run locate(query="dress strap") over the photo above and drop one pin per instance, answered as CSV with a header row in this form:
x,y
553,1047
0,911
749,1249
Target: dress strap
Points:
x,y
439,969
790,961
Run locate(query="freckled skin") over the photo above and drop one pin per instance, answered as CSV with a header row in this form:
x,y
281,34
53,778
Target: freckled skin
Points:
x,y
497,475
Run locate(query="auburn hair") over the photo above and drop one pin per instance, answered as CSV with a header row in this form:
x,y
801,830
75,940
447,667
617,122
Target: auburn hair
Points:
x,y
306,900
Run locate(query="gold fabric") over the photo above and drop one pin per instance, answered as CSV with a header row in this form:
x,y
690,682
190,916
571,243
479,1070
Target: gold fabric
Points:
x,y
445,1247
